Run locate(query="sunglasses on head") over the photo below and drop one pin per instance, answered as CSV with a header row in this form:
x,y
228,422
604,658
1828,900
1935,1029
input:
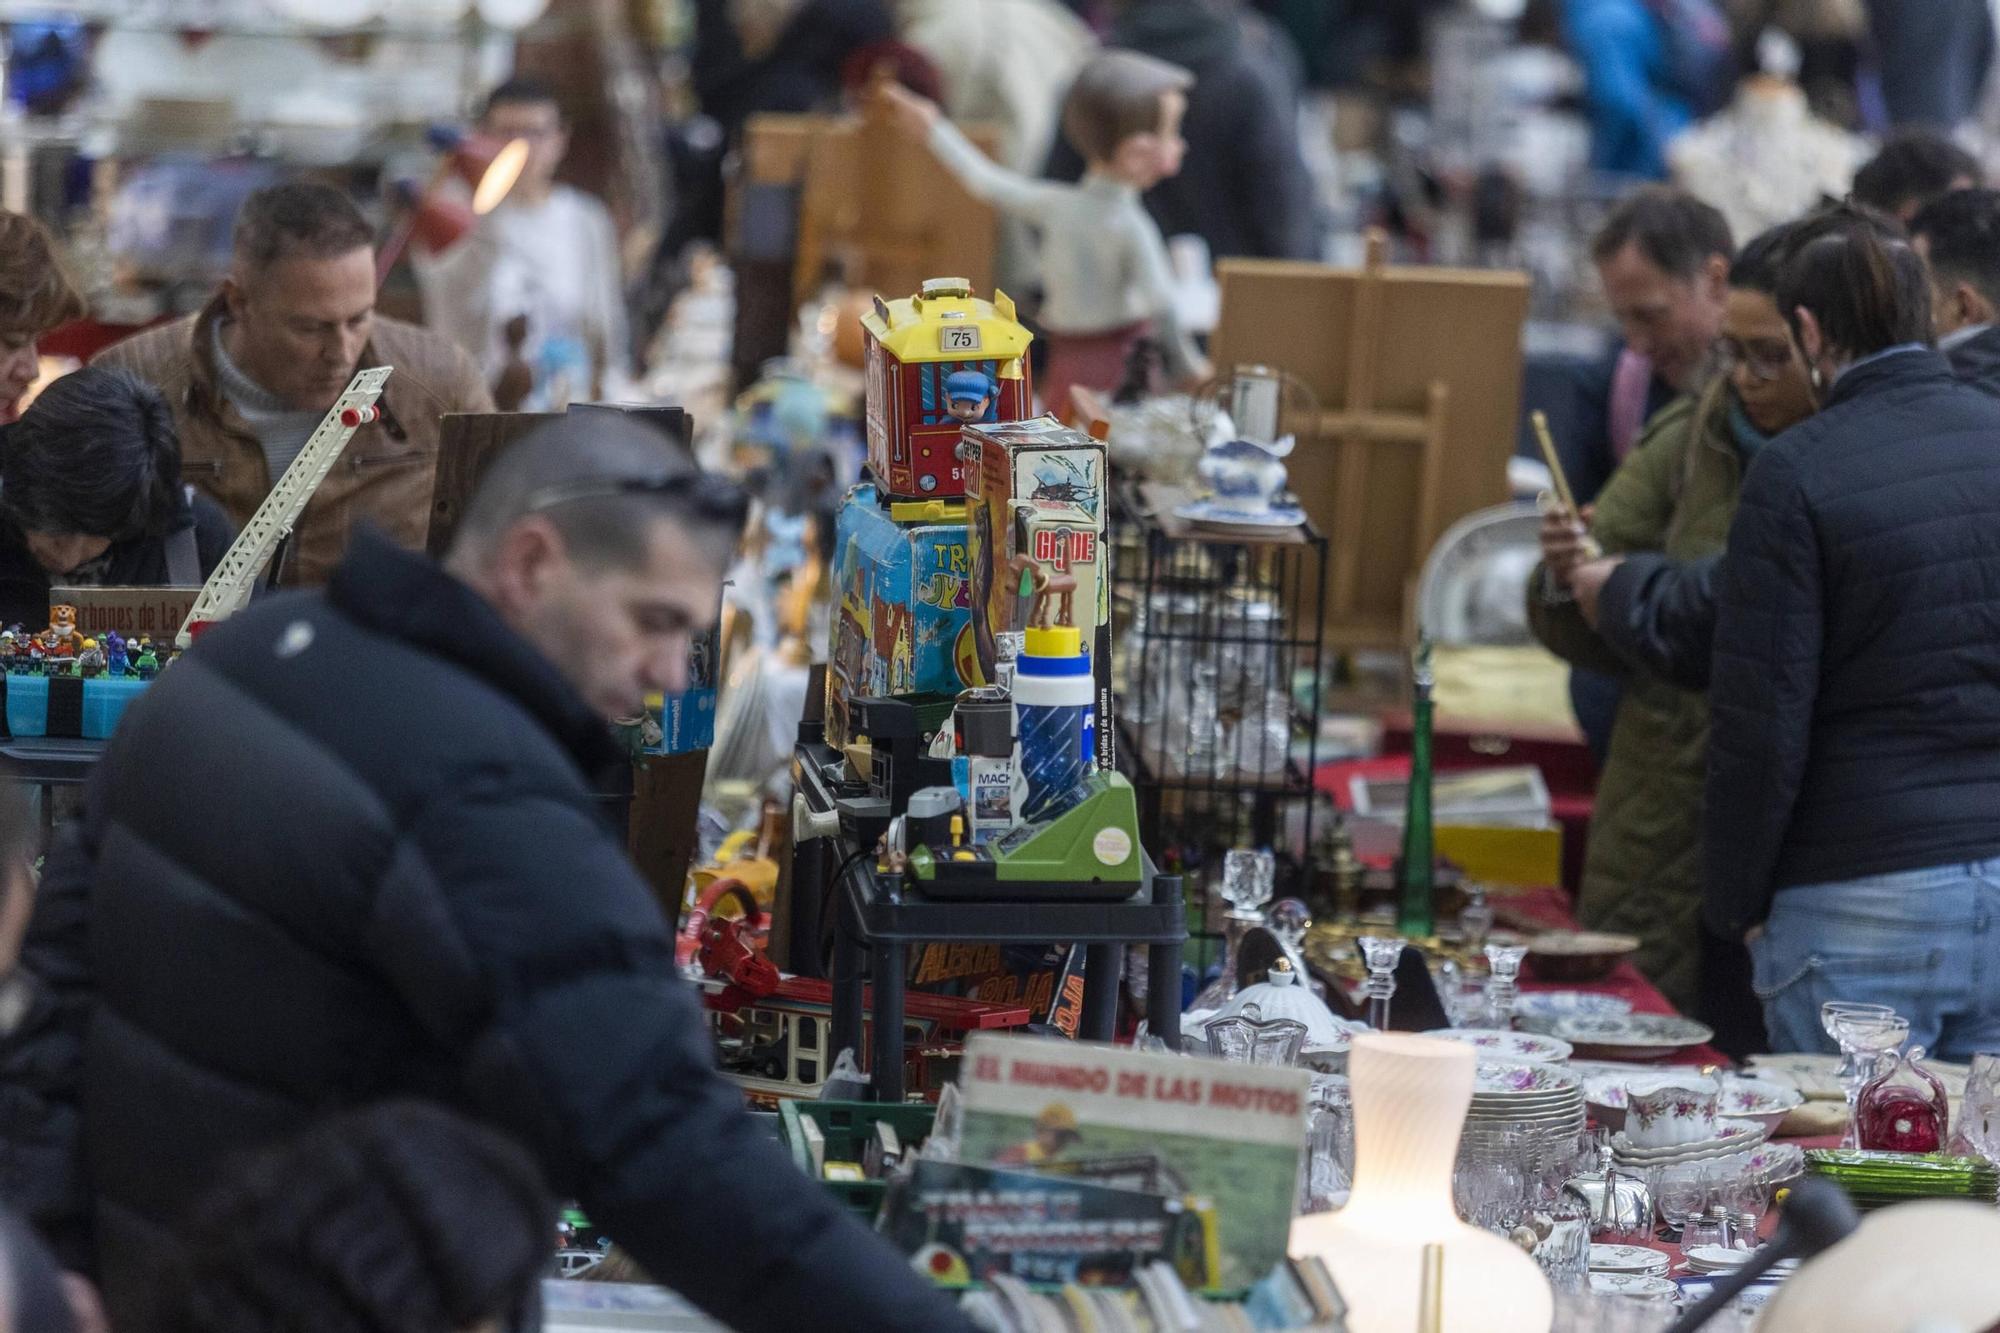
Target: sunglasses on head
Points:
x,y
707,494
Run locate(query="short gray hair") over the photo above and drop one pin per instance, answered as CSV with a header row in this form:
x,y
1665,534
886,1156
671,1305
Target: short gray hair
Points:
x,y
298,218
607,527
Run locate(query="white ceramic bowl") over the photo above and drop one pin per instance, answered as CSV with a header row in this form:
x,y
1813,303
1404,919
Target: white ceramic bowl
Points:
x,y
1670,1110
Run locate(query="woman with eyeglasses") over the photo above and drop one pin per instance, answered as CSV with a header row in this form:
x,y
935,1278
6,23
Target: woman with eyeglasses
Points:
x,y
1674,495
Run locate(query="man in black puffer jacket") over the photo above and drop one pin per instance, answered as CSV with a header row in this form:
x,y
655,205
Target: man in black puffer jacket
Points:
x,y
1853,802
346,851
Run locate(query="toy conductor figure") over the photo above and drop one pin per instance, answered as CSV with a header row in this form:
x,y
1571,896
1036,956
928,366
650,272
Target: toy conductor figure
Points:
x,y
1104,263
969,396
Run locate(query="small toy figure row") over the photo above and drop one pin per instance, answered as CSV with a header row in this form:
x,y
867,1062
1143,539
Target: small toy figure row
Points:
x,y
60,651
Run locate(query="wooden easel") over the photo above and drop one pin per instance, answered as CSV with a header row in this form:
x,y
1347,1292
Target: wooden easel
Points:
x,y
1417,371
873,203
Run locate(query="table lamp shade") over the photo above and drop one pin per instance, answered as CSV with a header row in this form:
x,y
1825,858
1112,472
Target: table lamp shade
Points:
x,y
1410,1099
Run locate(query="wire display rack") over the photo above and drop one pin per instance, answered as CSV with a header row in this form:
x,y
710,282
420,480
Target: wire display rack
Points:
x,y
1220,670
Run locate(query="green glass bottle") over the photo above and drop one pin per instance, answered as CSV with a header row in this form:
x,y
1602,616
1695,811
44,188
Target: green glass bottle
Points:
x,y
1415,873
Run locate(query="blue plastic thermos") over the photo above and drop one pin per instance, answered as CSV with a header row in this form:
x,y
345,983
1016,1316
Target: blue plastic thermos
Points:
x,y
1055,698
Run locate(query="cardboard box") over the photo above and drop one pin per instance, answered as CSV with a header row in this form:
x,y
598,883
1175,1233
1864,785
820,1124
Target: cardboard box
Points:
x,y
1036,488
903,624
131,611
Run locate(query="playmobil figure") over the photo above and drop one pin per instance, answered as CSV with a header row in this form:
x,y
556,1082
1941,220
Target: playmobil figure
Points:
x,y
90,660
1104,264
969,395
116,661
36,655
145,666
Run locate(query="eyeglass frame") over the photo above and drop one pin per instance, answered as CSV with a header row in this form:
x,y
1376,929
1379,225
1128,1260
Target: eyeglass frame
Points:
x,y
1730,353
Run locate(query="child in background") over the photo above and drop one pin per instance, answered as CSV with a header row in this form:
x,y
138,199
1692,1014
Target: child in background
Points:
x,y
1106,278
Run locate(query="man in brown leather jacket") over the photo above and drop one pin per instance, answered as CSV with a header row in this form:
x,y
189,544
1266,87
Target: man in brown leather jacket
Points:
x,y
252,374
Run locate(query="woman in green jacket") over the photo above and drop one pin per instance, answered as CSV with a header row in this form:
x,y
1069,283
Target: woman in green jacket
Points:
x,y
1676,494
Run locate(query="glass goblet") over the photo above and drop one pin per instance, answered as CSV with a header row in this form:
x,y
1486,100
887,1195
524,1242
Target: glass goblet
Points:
x,y
1747,1197
1680,1195
1872,1038
1830,1015
1381,953
1502,983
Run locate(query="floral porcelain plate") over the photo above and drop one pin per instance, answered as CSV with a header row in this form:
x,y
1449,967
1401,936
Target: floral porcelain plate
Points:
x,y
1628,1259
1642,1285
1730,1136
1633,1036
1494,1044
1509,1079
1540,1011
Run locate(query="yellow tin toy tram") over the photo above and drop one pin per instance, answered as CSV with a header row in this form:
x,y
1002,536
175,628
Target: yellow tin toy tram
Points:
x,y
914,346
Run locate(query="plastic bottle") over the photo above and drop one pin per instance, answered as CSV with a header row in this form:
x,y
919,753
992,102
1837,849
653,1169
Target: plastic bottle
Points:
x,y
1055,699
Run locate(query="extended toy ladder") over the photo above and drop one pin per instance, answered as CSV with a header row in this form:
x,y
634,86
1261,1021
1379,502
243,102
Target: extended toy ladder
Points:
x,y
228,589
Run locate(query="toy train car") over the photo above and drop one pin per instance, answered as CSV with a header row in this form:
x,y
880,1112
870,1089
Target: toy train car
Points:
x,y
914,346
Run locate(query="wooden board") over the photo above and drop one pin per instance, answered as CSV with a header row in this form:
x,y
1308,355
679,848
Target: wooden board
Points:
x,y
467,441
1418,375
873,204
666,805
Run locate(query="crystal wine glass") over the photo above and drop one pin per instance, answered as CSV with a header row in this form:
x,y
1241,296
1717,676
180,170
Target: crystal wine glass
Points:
x,y
1681,1194
1849,1074
1872,1036
1502,988
1382,954
1747,1195
1248,880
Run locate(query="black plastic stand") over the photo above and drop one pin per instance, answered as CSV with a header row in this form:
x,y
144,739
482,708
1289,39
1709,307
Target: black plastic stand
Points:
x,y
881,917
876,914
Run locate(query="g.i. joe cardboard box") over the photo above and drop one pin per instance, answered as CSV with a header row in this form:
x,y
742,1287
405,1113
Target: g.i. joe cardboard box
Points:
x,y
903,626
1035,502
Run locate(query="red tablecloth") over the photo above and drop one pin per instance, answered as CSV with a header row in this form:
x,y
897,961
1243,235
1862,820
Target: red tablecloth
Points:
x,y
1549,908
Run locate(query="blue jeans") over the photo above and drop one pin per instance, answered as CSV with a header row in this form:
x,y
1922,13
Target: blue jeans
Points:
x,y
1921,941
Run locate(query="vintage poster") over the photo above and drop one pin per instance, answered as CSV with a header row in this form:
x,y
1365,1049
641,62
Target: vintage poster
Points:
x,y
1234,1134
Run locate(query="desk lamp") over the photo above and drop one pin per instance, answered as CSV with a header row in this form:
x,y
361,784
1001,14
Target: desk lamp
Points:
x,y
489,166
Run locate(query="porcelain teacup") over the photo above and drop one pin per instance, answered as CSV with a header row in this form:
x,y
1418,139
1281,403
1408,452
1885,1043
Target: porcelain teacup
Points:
x,y
1667,1110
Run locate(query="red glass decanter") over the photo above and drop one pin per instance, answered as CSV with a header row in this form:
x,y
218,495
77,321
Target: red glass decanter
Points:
x,y
1903,1108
